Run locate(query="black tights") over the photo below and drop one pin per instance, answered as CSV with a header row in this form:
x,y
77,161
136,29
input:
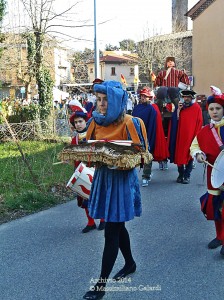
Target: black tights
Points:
x,y
116,237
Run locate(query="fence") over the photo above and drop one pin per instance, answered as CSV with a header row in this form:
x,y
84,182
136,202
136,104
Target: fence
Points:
x,y
37,129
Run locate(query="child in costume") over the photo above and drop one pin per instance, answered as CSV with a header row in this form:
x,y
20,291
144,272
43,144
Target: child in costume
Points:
x,y
78,121
206,146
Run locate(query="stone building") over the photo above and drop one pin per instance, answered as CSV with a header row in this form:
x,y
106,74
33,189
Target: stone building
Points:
x,y
15,76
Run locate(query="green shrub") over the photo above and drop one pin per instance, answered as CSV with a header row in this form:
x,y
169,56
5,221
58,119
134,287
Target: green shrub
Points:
x,y
18,189
24,113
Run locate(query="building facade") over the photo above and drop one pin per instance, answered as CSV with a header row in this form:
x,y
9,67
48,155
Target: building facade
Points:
x,y
120,66
15,75
207,45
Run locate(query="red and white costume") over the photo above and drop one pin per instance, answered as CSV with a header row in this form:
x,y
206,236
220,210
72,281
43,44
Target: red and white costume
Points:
x,y
209,141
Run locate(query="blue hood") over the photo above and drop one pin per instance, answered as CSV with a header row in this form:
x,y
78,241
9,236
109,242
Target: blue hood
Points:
x,y
116,98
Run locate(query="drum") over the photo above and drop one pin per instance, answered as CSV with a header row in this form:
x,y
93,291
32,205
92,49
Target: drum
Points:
x,y
217,176
81,180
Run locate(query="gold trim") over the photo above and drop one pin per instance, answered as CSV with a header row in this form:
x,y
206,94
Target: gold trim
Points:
x,y
214,192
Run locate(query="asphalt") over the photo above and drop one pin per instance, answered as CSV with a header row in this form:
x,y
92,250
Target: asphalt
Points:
x,y
45,256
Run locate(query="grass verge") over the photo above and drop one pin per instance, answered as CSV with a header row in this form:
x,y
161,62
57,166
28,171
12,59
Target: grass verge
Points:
x,y
20,194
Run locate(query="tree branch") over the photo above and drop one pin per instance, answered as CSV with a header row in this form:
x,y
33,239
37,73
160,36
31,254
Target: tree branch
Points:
x,y
62,13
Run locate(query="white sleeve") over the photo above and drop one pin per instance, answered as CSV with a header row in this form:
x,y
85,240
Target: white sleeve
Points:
x,y
194,149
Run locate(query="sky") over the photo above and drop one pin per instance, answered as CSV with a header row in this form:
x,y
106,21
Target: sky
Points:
x,y
128,19
117,20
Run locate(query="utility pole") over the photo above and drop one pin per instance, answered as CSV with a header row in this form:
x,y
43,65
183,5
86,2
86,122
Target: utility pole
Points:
x,y
96,49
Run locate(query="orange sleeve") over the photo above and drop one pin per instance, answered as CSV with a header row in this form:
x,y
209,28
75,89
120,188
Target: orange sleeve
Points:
x,y
90,130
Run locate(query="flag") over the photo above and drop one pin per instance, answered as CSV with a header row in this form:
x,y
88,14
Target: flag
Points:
x,y
153,76
136,80
123,80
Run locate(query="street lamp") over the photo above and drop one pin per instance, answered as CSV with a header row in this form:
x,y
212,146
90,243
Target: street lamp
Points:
x,y
96,49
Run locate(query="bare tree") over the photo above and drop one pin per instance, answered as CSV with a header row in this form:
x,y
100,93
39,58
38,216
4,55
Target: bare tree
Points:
x,y
153,50
79,61
43,20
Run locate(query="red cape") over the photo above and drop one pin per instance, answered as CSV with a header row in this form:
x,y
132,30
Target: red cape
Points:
x,y
161,149
190,123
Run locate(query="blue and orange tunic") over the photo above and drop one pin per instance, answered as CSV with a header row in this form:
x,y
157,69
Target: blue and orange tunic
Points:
x,y
115,194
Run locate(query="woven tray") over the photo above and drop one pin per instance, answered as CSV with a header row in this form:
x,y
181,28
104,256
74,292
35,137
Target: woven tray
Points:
x,y
106,153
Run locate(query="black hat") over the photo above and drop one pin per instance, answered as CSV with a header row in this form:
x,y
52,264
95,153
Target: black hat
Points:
x,y
189,93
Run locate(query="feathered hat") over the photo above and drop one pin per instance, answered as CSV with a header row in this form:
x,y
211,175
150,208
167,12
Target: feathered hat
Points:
x,y
78,112
216,97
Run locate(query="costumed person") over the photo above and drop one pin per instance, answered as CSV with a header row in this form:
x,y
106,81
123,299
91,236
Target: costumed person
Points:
x,y
72,104
186,122
78,121
206,146
160,153
148,114
206,118
129,106
167,82
90,105
115,193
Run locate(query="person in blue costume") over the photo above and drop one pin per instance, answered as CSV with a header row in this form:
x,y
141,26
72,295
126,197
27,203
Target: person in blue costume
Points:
x,y
115,193
148,114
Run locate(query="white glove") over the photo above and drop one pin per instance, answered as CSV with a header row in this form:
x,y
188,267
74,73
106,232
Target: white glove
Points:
x,y
200,157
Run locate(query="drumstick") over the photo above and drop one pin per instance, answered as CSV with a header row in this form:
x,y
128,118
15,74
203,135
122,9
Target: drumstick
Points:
x,y
205,161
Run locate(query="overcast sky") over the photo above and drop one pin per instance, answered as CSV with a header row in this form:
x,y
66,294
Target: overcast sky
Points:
x,y
117,19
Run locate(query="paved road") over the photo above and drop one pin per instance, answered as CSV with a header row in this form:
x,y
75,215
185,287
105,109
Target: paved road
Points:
x,y
46,257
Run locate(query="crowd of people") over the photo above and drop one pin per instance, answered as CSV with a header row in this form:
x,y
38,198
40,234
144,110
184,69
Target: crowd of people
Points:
x,y
173,124
11,106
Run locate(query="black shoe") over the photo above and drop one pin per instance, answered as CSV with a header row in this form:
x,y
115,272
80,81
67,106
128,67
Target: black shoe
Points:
x,y
89,228
215,244
101,226
186,180
94,295
179,179
222,251
125,272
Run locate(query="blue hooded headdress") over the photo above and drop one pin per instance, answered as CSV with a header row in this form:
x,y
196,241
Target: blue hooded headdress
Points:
x,y
116,99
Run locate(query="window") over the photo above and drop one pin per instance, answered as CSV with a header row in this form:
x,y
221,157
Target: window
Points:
x,y
132,71
113,73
